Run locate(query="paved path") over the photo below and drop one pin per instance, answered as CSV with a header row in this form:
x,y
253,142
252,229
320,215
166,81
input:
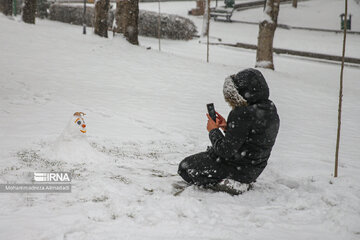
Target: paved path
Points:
x,y
355,62
284,26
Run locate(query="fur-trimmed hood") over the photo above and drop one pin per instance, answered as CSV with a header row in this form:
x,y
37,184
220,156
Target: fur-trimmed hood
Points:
x,y
246,87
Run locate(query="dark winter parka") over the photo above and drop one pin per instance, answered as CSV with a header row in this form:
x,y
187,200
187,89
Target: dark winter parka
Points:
x,y
252,127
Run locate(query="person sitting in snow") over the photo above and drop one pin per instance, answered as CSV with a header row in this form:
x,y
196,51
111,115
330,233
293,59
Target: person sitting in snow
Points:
x,y
250,133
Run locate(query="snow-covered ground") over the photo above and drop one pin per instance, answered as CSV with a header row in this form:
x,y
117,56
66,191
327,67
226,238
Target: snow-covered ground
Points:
x,y
145,113
314,13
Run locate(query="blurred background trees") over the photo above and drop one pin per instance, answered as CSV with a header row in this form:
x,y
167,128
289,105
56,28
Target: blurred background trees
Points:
x,y
6,7
101,16
29,11
127,20
294,3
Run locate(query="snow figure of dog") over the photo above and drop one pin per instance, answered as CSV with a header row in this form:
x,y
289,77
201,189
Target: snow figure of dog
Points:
x,y
72,145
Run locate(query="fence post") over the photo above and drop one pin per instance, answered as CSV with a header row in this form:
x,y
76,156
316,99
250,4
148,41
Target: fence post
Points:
x,y
14,7
84,18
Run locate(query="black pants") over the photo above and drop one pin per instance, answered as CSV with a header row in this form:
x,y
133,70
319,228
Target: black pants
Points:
x,y
206,169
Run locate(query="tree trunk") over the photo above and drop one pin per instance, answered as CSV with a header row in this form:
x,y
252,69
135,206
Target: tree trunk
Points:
x,y
29,11
264,54
294,3
122,7
126,19
101,16
6,7
132,17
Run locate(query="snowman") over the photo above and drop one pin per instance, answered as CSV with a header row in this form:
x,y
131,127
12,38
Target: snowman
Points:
x,y
75,129
72,146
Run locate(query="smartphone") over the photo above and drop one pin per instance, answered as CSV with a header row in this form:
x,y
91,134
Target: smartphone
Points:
x,y
211,111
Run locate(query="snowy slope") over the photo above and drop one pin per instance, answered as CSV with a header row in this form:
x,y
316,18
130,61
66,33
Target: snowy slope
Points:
x,y
314,13
319,14
145,113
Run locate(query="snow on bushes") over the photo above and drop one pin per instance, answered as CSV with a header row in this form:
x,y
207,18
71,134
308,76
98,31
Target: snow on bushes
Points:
x,y
172,26
74,14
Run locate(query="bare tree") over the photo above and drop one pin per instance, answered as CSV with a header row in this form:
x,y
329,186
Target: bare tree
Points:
x,y
120,16
264,54
341,94
207,29
29,11
6,7
294,3
132,18
101,16
126,19
206,19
